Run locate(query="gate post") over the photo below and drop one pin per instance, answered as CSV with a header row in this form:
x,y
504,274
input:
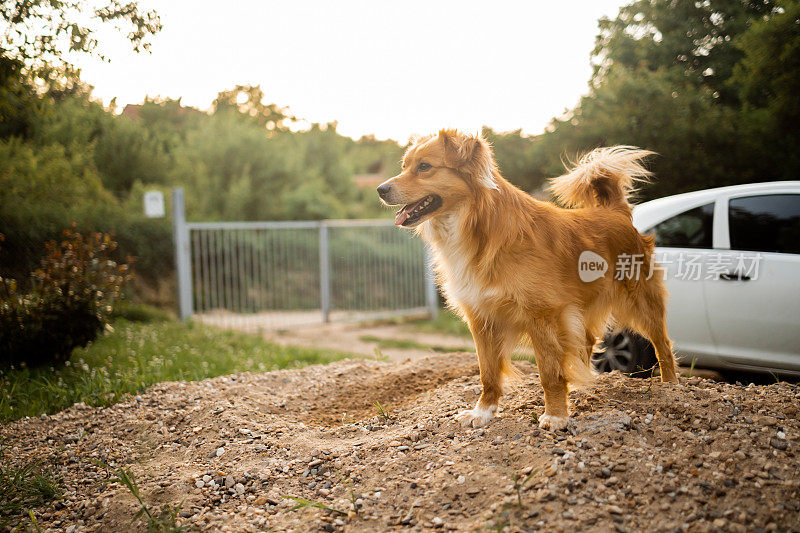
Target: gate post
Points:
x,y
431,294
324,272
183,267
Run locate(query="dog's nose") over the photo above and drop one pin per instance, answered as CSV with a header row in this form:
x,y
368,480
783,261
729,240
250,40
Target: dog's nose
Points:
x,y
384,189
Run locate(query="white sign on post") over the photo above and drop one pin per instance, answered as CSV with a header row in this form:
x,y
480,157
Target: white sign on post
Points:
x,y
154,204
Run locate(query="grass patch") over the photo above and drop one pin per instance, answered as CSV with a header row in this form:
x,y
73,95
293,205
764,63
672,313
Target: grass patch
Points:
x,y
446,322
163,520
135,312
408,344
23,488
382,412
302,503
136,355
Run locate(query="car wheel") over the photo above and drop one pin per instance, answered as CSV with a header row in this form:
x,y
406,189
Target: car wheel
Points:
x,y
627,352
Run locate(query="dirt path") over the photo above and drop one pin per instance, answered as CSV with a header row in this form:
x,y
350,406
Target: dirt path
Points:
x,y
381,341
395,342
360,339
640,456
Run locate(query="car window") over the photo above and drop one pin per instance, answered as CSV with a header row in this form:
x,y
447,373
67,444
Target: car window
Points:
x,y
766,223
690,229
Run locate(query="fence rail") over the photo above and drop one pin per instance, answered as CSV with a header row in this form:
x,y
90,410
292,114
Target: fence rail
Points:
x,y
277,275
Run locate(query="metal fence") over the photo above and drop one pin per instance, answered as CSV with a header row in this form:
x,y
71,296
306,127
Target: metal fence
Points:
x,y
279,275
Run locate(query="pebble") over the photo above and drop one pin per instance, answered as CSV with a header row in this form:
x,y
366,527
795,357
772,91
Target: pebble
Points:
x,y
239,489
199,484
220,451
769,421
605,472
461,480
780,444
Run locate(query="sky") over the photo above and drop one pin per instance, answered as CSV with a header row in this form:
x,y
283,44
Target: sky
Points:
x,y
392,69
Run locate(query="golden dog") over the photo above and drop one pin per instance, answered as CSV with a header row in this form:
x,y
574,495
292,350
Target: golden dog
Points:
x,y
509,264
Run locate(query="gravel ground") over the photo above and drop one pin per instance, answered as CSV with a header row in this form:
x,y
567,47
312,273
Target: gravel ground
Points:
x,y
639,455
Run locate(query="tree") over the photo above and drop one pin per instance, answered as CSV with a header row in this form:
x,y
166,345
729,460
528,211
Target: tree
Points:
x,y
248,101
515,156
710,85
39,33
768,82
698,141
19,104
694,39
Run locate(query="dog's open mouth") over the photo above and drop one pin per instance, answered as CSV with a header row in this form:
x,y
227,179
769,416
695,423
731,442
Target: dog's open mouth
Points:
x,y
414,212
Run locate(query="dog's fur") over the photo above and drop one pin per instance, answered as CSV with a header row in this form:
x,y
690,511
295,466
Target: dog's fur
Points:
x,y
508,263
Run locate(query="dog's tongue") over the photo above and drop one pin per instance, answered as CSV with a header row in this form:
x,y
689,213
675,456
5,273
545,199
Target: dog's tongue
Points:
x,y
402,215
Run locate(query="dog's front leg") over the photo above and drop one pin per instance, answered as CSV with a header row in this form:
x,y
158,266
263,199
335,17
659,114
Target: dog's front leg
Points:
x,y
550,355
493,341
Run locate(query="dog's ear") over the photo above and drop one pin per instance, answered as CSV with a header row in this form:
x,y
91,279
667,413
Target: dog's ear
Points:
x,y
471,155
458,148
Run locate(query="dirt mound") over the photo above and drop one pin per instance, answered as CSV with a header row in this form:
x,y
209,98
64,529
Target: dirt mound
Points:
x,y
639,455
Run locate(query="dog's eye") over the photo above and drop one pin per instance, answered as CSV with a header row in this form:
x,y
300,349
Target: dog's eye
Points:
x,y
424,167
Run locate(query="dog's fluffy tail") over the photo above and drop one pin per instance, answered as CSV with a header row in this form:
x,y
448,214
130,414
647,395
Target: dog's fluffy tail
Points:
x,y
605,177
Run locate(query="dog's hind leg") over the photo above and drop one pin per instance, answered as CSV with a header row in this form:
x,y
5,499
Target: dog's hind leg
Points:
x,y
652,323
494,342
648,317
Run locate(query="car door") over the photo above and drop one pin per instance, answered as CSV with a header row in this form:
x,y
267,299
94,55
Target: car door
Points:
x,y
753,296
683,244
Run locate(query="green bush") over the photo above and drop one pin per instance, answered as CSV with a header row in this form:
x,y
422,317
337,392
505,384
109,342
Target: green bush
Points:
x,y
68,304
145,243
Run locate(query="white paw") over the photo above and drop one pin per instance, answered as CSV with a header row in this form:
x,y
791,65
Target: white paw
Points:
x,y
476,417
553,423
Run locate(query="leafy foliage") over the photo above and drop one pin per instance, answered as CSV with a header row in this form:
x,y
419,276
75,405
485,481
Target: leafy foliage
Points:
x,y
79,162
768,83
695,40
68,304
40,33
689,80
248,102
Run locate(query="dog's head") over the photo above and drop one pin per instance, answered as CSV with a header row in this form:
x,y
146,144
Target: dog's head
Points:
x,y
440,173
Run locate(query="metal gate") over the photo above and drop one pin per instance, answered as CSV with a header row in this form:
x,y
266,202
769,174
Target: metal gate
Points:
x,y
279,275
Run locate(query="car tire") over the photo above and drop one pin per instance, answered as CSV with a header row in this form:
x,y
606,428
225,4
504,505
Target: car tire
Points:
x,y
627,352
